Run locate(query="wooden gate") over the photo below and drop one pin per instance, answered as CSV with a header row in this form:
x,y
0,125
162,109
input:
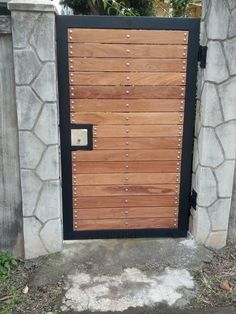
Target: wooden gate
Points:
x,y
127,97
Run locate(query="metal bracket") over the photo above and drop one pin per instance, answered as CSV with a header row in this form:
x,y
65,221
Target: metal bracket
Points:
x,y
193,199
202,55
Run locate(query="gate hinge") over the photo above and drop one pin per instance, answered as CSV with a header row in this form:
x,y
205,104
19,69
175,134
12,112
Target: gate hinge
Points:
x,y
202,55
193,199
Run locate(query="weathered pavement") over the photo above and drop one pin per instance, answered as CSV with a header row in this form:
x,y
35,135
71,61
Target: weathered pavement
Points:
x,y
127,275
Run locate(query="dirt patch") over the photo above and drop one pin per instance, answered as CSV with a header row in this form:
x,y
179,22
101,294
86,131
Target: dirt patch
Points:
x,y
17,295
216,280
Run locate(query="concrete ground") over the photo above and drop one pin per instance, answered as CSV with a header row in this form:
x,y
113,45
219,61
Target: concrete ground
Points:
x,y
127,275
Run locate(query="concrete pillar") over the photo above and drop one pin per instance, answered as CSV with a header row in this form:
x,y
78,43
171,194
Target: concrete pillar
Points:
x,y
34,50
215,132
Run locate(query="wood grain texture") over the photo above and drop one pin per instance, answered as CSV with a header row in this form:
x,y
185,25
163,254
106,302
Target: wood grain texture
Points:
x,y
110,118
123,78
129,201
127,64
122,92
138,143
108,224
122,167
131,212
127,51
126,105
129,131
129,178
86,35
132,155
108,190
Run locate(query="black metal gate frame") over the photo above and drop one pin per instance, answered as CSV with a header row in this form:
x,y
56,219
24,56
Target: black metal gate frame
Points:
x,y
152,23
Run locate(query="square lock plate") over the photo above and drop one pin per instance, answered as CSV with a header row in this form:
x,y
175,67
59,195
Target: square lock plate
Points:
x,y
82,137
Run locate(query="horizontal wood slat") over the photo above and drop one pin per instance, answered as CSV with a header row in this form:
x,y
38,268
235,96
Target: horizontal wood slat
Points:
x,y
110,118
132,155
124,105
79,35
172,92
126,64
107,190
121,167
138,143
129,178
131,212
129,51
123,78
113,224
132,201
128,131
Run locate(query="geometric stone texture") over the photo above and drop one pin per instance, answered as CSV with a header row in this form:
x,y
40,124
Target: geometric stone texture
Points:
x,y
217,239
227,93
217,20
227,136
25,74
30,148
216,69
34,47
49,202
219,214
229,48
216,126
232,23
52,230
43,36
48,168
206,187
224,176
209,157
29,106
31,186
49,114
45,84
33,244
210,110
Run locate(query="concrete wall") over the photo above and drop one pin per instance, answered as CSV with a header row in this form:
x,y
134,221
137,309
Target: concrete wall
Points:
x,y
215,132
34,51
11,231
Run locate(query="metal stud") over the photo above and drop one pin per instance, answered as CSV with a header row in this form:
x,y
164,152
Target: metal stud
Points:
x,y
126,143
71,46
126,178
127,105
72,94
72,107
127,118
126,190
127,50
72,102
126,201
126,223
127,36
181,107
126,212
127,92
127,131
70,30
128,78
126,155
70,37
127,64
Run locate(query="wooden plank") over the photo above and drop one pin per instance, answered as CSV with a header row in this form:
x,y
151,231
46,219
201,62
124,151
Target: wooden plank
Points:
x,y
132,155
132,212
128,131
159,92
130,105
132,201
113,224
124,78
121,166
111,118
138,143
127,51
126,64
86,35
129,178
108,190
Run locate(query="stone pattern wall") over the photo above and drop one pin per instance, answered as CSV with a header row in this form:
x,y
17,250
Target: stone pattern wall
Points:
x,y
33,28
11,229
215,131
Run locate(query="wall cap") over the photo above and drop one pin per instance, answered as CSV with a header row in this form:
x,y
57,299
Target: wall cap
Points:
x,y
32,5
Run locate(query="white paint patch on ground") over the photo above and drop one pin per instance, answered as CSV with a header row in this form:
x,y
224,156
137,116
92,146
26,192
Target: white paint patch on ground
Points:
x,y
189,243
132,288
